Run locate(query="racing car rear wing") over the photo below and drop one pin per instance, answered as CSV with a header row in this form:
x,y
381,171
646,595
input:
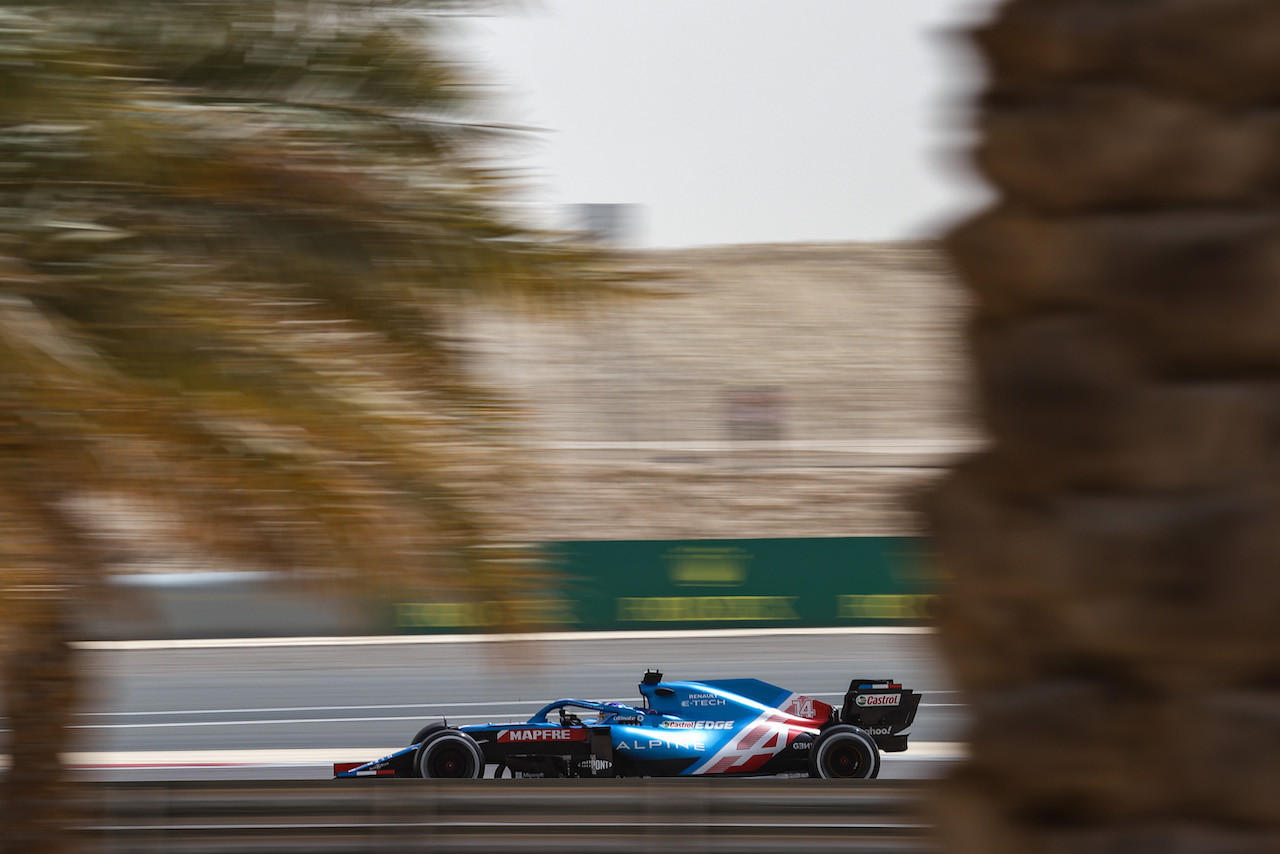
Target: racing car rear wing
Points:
x,y
883,708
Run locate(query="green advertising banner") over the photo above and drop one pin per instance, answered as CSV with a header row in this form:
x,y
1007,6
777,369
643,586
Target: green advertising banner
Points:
x,y
674,584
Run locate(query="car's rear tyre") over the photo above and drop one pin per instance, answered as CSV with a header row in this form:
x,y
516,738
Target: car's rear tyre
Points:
x,y
450,755
844,752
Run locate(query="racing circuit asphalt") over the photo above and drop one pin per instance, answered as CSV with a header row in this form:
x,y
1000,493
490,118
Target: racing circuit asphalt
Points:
x,y
288,711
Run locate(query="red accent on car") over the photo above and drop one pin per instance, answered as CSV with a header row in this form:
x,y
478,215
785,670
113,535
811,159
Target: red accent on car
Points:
x,y
724,764
807,709
754,763
751,737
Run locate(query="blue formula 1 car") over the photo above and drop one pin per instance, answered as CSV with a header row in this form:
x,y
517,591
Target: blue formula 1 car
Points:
x,y
730,727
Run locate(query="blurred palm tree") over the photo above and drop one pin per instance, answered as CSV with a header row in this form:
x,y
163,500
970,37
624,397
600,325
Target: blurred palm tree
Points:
x,y
232,233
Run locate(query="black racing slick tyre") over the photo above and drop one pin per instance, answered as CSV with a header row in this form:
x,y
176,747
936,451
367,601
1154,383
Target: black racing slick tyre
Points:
x,y
844,752
450,754
426,731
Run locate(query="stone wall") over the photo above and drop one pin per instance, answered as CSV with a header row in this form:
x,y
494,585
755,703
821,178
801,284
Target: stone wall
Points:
x,y
787,390
1117,550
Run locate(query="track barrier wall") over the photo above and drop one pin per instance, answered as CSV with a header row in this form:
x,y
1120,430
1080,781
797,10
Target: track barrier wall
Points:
x,y
499,816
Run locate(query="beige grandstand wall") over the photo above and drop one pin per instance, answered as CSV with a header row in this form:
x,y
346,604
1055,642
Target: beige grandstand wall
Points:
x,y
779,390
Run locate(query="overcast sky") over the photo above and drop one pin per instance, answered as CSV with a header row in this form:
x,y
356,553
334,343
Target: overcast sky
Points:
x,y
741,121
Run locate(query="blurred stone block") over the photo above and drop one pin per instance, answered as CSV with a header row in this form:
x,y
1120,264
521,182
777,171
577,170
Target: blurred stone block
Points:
x,y
1114,147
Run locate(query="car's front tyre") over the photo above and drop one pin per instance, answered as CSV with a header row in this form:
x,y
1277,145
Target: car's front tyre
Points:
x,y
450,754
844,752
422,734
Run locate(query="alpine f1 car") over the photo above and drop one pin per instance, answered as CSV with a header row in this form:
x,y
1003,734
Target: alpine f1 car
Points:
x,y
730,727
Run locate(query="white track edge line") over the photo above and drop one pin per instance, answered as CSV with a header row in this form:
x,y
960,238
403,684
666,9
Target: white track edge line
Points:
x,y
529,637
